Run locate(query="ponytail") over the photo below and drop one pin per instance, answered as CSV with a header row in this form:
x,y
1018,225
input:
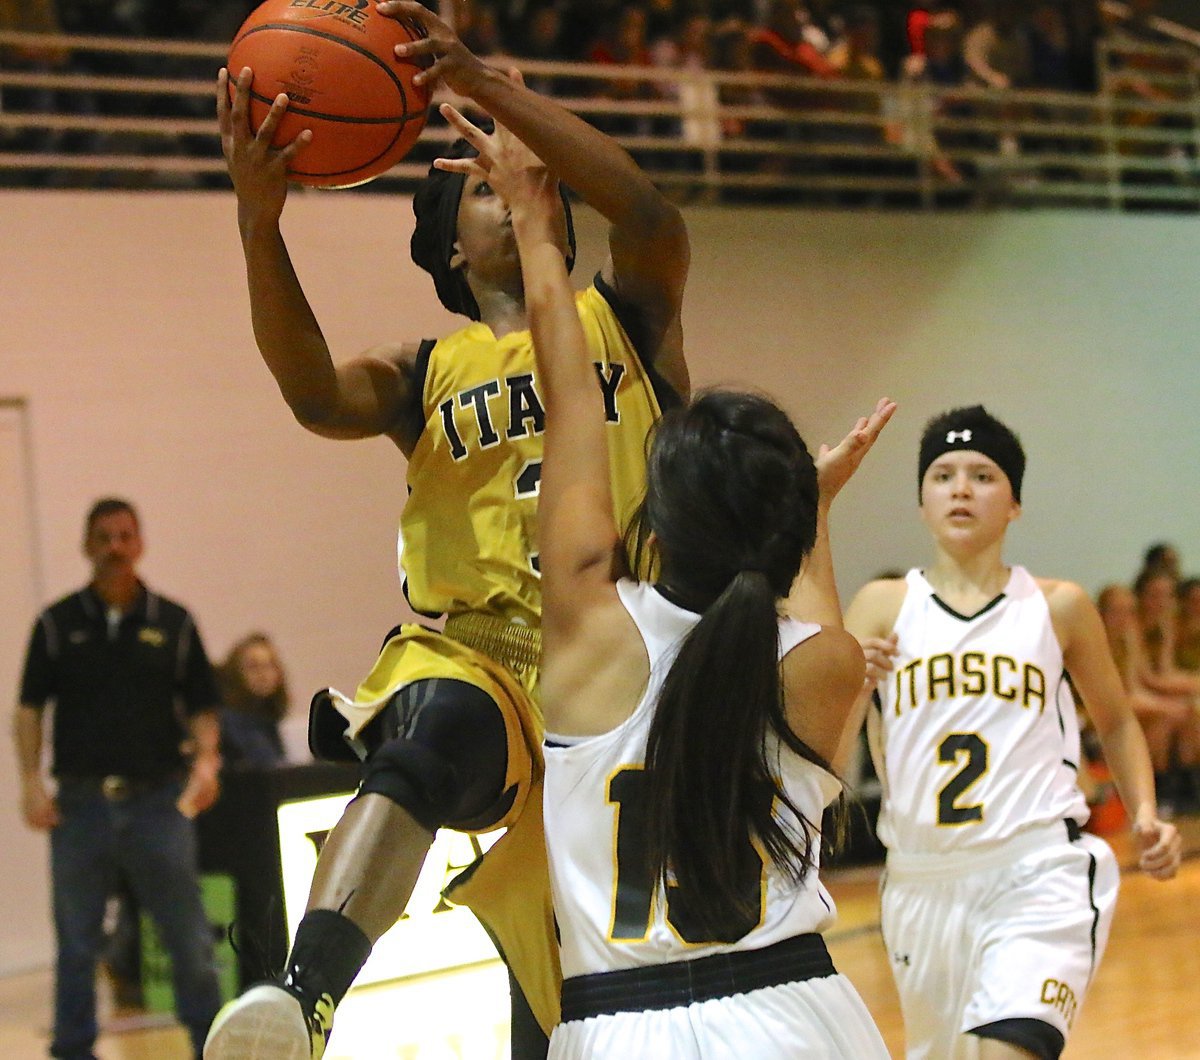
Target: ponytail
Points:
x,y
730,513
711,784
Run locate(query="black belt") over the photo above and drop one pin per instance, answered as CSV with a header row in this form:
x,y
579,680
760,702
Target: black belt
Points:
x,y
116,787
682,983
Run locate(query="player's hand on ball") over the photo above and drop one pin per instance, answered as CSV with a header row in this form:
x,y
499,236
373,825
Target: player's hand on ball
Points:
x,y
258,170
836,465
452,63
1160,848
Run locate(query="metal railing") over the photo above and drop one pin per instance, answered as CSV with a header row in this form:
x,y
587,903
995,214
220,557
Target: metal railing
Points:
x,y
106,112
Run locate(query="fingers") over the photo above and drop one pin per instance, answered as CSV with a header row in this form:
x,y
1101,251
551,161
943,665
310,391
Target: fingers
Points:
x,y
233,118
516,76
302,140
414,12
431,73
266,131
1161,850
880,654
415,49
465,128
241,102
884,410
466,166
223,100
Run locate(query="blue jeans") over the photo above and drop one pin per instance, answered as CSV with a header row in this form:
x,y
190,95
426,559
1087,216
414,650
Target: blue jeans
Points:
x,y
154,846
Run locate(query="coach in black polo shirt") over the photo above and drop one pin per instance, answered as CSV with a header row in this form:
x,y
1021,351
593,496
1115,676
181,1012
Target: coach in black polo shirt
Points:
x,y
135,756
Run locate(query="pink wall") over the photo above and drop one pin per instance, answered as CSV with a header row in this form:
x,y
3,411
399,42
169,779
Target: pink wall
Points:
x,y
124,325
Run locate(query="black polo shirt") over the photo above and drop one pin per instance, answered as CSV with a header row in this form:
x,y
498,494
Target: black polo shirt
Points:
x,y
123,690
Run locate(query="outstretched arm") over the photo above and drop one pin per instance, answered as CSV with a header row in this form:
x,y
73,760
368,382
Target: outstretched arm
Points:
x,y
1086,656
362,398
814,596
648,241
577,531
870,618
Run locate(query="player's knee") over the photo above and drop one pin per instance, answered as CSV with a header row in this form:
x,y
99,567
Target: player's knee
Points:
x,y
414,778
443,755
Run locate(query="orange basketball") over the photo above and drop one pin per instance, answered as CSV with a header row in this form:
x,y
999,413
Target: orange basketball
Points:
x,y
335,61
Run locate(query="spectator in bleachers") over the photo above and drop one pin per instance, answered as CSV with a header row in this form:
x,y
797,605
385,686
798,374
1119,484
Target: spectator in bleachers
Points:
x,y
1157,620
689,49
916,21
778,46
542,39
1187,640
855,56
1143,65
822,24
1158,623
664,19
731,51
1167,719
1083,20
996,50
997,56
625,45
479,28
30,16
255,699
1139,23
939,64
1162,557
942,59
626,42
1050,48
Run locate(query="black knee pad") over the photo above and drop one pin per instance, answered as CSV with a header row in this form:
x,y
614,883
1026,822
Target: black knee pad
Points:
x,y
443,755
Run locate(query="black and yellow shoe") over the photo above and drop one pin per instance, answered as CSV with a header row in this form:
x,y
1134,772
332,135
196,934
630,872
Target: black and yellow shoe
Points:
x,y
270,1022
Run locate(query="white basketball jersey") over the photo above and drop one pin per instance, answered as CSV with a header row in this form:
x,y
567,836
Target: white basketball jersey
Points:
x,y
608,917
979,735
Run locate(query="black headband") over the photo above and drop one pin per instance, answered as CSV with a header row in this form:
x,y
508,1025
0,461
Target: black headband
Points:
x,y
974,429
436,205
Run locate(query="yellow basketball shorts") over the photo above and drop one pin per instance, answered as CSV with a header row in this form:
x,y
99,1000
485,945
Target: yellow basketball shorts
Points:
x,y
508,889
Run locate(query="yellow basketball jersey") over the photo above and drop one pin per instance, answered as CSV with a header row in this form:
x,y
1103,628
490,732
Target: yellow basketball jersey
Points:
x,y
468,533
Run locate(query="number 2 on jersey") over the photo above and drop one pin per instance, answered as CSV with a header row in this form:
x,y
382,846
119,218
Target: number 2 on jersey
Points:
x,y
952,750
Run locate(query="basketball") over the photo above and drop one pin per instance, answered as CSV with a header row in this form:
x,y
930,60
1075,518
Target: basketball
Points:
x,y
335,61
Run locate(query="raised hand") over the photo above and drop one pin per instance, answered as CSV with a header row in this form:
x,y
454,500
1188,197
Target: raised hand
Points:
x,y
258,170
836,465
514,172
452,63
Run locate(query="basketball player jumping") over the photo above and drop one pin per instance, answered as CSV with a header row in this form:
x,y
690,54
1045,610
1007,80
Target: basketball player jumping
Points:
x,y
693,726
996,907
448,722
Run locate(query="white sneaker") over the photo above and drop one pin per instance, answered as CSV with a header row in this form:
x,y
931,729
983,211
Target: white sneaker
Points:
x,y
268,1022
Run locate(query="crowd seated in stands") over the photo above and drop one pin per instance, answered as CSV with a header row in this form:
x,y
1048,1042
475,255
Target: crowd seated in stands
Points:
x,y
1154,632
875,60
999,43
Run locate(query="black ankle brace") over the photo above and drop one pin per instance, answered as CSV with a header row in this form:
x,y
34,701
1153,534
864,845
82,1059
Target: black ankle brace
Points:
x,y
328,953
